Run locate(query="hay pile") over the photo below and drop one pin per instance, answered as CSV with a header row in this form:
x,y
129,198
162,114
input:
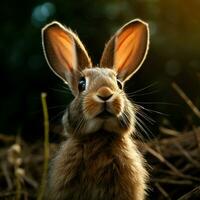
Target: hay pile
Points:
x,y
174,162
174,165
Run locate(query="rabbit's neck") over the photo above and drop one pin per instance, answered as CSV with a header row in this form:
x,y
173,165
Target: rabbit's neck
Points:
x,y
102,142
100,135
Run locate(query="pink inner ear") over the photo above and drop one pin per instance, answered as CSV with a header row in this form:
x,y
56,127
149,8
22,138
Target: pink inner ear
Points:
x,y
63,50
130,45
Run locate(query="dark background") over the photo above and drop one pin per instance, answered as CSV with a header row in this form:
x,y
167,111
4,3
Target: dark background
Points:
x,y
174,55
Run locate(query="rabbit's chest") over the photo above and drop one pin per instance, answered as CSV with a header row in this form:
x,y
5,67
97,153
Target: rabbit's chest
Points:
x,y
102,175
95,171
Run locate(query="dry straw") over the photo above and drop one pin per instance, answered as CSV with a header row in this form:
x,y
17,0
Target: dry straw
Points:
x,y
46,147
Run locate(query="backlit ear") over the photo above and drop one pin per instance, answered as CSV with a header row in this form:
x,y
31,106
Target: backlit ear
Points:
x,y
64,51
127,49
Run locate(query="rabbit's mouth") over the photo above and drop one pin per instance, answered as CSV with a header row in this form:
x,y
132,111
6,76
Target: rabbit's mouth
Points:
x,y
105,114
107,111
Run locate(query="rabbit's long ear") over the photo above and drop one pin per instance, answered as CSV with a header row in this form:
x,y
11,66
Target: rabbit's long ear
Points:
x,y
64,51
126,50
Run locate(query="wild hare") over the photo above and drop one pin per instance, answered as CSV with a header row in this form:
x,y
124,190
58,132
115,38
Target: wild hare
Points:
x,y
99,160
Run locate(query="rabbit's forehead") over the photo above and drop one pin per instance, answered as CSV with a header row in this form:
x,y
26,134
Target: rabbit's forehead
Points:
x,y
99,72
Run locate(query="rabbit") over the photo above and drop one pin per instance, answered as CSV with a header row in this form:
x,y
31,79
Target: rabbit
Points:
x,y
99,159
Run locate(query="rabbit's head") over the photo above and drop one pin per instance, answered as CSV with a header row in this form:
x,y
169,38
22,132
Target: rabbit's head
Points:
x,y
100,102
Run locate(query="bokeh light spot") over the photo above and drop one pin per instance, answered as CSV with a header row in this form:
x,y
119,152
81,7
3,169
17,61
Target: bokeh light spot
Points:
x,y
153,27
41,13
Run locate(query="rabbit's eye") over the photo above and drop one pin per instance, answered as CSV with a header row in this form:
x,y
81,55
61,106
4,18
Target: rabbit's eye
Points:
x,y
119,84
82,84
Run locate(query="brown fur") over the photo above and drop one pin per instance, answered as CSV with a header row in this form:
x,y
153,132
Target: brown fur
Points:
x,y
103,166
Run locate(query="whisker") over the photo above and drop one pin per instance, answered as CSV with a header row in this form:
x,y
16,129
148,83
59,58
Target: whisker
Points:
x,y
125,119
80,123
66,88
144,128
143,94
138,133
55,107
152,111
146,117
57,115
155,103
145,88
65,91
79,126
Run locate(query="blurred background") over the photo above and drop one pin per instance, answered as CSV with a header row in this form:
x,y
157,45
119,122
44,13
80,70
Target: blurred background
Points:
x,y
174,55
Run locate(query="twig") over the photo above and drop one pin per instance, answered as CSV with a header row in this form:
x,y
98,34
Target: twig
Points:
x,y
162,191
188,177
162,159
17,168
172,182
172,173
194,194
168,131
18,185
186,99
7,176
8,194
187,155
46,147
6,138
197,136
31,182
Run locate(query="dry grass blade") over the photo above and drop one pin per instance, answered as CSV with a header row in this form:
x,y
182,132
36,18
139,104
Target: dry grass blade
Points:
x,y
172,182
187,155
162,191
168,131
7,176
10,195
46,147
194,194
186,99
31,182
6,139
162,159
197,136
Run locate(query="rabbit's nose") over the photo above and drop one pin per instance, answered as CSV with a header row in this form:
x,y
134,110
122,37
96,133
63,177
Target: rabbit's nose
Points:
x,y
104,93
105,98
